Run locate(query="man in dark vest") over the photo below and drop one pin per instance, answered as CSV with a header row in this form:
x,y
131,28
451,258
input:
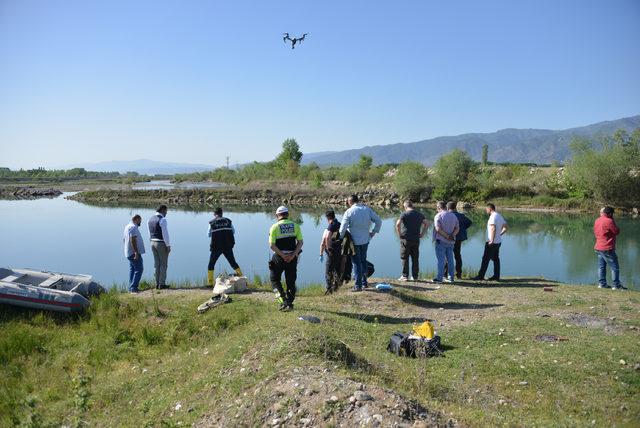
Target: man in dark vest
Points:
x,y
331,245
221,232
160,245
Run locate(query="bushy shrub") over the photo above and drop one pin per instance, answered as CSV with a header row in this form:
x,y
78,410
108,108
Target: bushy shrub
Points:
x,y
454,174
609,175
412,181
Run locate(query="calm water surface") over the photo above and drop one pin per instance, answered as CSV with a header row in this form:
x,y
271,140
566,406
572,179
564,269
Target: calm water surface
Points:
x,y
67,236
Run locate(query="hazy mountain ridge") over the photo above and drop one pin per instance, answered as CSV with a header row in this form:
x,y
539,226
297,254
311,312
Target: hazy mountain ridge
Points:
x,y
143,166
506,145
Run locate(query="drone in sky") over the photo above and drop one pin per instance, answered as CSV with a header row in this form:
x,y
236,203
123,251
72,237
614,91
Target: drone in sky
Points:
x,y
293,40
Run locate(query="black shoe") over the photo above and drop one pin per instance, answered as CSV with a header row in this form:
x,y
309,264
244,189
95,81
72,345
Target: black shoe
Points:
x,y
619,287
494,278
477,278
282,307
436,281
287,308
603,286
458,276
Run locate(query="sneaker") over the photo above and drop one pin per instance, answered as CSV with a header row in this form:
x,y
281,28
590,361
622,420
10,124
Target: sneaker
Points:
x,y
356,289
458,276
403,278
494,278
603,286
447,280
619,287
477,278
134,291
283,307
436,281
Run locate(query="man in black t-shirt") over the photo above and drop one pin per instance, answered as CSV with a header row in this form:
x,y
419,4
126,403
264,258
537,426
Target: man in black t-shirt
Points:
x,y
332,248
411,227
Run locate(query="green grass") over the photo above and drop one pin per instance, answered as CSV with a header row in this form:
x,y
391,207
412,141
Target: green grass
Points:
x,y
131,359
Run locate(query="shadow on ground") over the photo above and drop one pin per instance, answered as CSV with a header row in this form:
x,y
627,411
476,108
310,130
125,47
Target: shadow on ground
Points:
x,y
377,318
428,304
508,283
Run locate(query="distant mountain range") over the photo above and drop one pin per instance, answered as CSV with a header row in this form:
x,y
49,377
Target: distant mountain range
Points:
x,y
143,166
542,146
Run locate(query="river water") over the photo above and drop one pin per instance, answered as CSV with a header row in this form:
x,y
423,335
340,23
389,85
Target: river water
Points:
x,y
68,236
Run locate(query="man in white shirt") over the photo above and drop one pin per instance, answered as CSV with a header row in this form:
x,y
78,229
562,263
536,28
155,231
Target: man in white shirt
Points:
x,y
133,251
496,227
160,245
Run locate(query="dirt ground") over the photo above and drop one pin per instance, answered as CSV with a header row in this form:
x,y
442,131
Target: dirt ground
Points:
x,y
316,396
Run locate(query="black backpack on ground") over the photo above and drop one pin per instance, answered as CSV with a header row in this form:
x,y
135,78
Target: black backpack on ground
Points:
x,y
401,345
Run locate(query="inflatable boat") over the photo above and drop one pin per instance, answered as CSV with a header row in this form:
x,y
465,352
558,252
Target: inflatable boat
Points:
x,y
49,291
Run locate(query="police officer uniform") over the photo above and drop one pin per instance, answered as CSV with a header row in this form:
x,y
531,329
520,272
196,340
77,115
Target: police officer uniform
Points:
x,y
285,235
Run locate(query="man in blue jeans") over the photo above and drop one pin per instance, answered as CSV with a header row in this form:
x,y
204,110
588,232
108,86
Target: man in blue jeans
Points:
x,y
133,251
445,229
606,231
357,220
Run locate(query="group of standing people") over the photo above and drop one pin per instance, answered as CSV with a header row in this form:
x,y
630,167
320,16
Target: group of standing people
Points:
x,y
221,233
160,247
352,237
344,246
449,232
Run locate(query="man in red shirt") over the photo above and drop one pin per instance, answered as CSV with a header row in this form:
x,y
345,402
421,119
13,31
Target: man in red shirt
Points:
x,y
605,231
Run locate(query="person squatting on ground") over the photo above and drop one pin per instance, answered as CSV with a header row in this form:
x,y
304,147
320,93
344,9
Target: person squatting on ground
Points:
x,y
285,239
463,224
357,220
411,227
445,229
160,245
222,234
496,228
133,251
331,246
605,231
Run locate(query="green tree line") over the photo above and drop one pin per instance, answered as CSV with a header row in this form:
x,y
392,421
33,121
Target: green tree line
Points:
x,y
42,174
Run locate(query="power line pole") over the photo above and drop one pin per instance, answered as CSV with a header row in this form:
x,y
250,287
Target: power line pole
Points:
x,y
227,162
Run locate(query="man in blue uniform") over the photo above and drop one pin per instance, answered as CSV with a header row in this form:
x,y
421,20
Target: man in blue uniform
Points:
x,y
221,232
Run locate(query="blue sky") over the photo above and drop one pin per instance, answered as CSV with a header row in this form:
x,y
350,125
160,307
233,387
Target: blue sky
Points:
x,y
195,81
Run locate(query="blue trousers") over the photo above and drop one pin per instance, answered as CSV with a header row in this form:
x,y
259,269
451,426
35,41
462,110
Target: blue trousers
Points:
x,y
608,258
135,272
359,260
444,251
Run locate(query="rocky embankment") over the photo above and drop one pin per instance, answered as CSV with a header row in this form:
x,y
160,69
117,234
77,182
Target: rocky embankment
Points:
x,y
237,196
28,192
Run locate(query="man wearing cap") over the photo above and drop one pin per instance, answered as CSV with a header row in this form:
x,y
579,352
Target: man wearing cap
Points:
x,y
285,239
357,220
221,232
605,231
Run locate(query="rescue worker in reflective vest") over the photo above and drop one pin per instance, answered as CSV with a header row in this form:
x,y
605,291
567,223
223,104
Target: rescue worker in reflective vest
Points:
x,y
285,239
221,232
